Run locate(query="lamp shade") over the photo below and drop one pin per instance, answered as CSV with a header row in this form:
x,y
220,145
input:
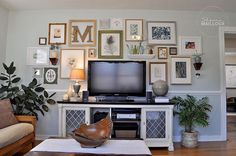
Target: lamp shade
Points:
x,y
77,74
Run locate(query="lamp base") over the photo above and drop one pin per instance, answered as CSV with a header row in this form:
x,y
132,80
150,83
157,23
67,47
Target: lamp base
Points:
x,y
76,87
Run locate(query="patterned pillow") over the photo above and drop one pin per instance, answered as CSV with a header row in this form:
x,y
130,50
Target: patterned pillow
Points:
x,y
7,117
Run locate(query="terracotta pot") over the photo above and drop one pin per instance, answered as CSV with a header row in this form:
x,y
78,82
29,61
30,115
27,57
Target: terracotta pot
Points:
x,y
189,140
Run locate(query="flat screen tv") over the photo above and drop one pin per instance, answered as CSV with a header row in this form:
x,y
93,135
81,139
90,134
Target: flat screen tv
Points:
x,y
117,78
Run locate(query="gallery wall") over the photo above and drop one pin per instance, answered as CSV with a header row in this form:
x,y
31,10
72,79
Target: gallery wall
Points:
x,y
3,35
25,27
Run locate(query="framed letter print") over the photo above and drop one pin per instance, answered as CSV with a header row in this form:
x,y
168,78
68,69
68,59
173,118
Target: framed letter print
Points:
x,y
82,32
162,32
71,58
181,70
37,55
57,33
157,71
110,44
50,75
190,45
230,70
133,29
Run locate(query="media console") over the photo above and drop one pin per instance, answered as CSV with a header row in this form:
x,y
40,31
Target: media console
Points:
x,y
155,122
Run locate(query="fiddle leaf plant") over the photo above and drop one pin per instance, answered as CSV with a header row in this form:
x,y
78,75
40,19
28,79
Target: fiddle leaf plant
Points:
x,y
191,111
26,99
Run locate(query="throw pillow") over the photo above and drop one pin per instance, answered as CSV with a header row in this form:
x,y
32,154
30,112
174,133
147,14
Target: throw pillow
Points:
x,y
7,118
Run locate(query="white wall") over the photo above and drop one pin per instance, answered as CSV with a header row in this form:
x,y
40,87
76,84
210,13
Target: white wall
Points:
x,y
3,34
26,26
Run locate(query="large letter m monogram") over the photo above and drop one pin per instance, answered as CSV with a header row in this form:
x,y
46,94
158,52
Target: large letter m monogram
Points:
x,y
86,35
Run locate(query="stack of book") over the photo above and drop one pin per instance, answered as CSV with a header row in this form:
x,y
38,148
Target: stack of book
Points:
x,y
162,99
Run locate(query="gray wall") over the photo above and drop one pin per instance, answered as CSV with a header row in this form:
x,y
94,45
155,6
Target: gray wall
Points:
x,y
3,34
26,26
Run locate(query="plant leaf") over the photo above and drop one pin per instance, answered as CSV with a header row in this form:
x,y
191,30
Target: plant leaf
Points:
x,y
3,78
39,89
33,83
5,66
52,94
15,80
45,108
51,101
45,94
11,70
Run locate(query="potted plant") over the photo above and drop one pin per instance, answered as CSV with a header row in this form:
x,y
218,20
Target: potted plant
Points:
x,y
26,99
191,113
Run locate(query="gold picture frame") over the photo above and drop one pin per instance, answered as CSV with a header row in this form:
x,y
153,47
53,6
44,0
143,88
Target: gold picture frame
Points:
x,y
162,52
57,33
82,33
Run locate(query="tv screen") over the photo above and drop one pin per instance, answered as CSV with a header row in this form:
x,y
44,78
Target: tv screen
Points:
x,y
117,78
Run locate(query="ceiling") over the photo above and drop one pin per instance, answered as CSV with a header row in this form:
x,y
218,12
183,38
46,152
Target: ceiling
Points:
x,y
194,5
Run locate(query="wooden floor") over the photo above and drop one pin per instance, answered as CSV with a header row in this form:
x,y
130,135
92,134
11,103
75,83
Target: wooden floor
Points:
x,y
226,148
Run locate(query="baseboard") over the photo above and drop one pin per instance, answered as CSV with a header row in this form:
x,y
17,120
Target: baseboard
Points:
x,y
44,137
202,138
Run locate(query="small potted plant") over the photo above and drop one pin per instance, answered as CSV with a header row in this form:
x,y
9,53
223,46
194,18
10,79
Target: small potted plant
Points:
x,y
191,113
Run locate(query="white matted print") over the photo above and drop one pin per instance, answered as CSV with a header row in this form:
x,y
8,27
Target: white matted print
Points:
x,y
181,70
230,71
190,45
133,29
110,44
117,23
71,58
157,71
57,33
37,55
104,23
162,32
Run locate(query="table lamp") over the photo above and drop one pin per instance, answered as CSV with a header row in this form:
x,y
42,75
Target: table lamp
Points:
x,y
77,75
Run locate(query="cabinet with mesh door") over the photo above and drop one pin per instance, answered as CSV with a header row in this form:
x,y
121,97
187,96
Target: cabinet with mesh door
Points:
x,y
72,118
156,126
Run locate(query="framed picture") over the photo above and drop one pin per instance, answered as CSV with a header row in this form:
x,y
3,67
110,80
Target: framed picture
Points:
x,y
71,58
110,44
172,51
82,32
190,45
37,55
133,29
104,23
162,32
117,23
37,72
181,70
162,52
230,70
57,33
50,75
91,52
42,40
157,71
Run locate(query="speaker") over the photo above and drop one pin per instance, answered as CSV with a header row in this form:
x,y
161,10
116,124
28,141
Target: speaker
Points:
x,y
149,97
85,96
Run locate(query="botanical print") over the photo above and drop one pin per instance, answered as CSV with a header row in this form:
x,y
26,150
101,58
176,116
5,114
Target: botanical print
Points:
x,y
161,33
133,29
181,69
110,44
37,55
57,33
71,58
